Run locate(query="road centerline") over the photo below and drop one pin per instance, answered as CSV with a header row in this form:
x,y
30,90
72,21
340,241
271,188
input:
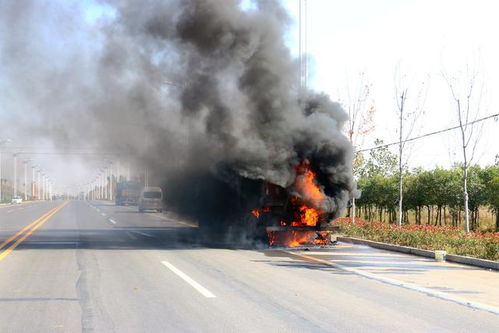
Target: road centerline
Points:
x,y
20,232
202,290
24,233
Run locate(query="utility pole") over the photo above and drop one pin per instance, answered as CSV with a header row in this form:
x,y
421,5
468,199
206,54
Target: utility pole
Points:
x,y
303,44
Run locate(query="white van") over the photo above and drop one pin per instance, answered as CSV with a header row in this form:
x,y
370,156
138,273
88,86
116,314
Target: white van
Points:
x,y
151,198
16,200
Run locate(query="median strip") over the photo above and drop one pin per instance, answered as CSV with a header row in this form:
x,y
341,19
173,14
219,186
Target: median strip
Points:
x,y
25,232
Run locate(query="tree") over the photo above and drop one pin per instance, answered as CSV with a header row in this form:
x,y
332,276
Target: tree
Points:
x,y
361,110
381,162
408,116
467,101
490,178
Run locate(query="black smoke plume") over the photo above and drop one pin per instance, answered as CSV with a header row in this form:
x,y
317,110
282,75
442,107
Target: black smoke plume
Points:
x,y
202,91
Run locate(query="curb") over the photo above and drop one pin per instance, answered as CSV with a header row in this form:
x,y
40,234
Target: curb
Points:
x,y
482,263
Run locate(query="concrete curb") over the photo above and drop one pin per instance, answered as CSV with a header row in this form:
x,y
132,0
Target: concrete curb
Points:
x,y
482,263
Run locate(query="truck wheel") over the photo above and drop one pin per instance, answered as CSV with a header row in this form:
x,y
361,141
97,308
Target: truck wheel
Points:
x,y
160,210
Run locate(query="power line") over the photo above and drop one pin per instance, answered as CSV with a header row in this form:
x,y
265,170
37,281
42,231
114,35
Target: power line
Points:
x,y
34,152
428,134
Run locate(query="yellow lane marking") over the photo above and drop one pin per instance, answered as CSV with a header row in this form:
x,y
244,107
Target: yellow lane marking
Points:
x,y
8,240
28,230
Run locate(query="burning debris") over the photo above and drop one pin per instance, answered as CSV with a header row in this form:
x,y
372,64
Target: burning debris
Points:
x,y
295,238
237,144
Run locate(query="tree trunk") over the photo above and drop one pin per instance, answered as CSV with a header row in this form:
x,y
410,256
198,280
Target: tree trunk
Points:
x,y
401,194
353,210
440,215
465,171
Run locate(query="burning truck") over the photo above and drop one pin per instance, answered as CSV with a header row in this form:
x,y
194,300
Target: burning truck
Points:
x,y
241,146
236,210
294,216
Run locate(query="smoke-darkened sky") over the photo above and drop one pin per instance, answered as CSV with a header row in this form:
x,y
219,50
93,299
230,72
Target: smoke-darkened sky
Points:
x,y
63,62
189,85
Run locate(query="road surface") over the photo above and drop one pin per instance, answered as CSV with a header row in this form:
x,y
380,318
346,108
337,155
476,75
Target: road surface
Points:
x,y
94,267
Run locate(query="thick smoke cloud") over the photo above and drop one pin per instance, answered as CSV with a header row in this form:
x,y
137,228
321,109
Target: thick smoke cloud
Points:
x,y
202,91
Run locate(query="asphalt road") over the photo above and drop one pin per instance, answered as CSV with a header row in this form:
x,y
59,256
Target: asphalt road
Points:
x,y
95,267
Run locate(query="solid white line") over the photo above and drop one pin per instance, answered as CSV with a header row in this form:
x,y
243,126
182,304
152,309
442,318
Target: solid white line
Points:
x,y
406,285
142,233
112,221
202,290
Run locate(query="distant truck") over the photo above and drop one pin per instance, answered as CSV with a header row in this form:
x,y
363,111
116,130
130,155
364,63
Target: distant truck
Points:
x,y
127,193
151,198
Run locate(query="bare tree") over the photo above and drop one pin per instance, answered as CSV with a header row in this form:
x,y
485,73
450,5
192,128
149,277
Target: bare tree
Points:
x,y
360,107
409,112
467,98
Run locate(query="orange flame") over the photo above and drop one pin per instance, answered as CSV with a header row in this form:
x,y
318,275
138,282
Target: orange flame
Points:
x,y
305,184
256,212
297,238
312,194
308,217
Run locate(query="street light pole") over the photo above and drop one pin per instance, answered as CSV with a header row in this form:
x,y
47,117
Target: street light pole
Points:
x,y
2,143
42,185
0,173
111,181
32,182
25,179
101,187
38,185
15,175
